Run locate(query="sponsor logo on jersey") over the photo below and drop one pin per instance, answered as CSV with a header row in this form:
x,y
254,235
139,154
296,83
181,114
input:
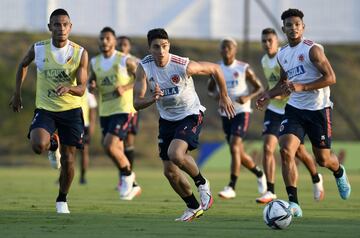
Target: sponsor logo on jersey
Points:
x,y
298,70
170,91
301,58
232,83
175,78
57,75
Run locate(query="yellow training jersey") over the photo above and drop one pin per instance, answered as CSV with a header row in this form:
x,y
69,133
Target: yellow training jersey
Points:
x,y
52,74
110,102
272,73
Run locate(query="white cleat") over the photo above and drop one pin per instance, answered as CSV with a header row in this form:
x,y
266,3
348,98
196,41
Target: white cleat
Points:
x,y
54,156
318,189
190,214
62,208
135,191
261,182
206,198
126,184
227,193
266,197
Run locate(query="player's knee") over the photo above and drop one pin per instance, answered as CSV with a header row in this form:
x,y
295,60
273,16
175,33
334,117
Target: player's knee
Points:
x,y
268,150
234,149
39,147
286,154
176,156
322,162
67,160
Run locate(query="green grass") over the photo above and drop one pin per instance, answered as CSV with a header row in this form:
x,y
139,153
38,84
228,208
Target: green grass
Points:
x,y
28,198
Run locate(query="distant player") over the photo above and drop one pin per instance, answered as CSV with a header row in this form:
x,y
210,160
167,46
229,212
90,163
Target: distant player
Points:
x,y
273,117
89,108
305,74
124,46
110,73
61,81
171,87
238,77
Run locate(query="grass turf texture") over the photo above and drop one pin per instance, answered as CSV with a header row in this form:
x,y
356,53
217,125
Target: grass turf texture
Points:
x,y
27,207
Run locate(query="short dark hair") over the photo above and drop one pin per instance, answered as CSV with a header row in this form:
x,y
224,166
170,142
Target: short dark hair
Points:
x,y
59,12
124,38
268,31
157,33
108,29
292,12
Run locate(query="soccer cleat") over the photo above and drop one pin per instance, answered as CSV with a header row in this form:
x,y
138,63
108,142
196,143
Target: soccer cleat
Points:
x,y
343,185
205,196
82,181
62,208
126,184
295,209
266,197
227,193
135,191
54,156
190,214
318,189
261,182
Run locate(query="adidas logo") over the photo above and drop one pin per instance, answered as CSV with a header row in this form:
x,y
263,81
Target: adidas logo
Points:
x,y
62,77
107,81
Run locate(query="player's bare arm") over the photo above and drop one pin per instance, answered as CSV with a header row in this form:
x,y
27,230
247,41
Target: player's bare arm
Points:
x,y
207,68
81,79
318,58
256,84
16,101
141,100
131,66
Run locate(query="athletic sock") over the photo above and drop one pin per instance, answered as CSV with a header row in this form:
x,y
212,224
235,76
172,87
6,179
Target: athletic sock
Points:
x,y
53,144
191,201
270,187
257,171
125,171
61,197
339,173
130,154
292,194
233,179
199,180
315,178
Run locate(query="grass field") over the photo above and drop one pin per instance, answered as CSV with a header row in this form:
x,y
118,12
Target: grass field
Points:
x,y
28,198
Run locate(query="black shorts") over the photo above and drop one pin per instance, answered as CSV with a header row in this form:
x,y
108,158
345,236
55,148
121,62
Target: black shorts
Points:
x,y
187,129
134,124
236,126
117,124
315,124
70,125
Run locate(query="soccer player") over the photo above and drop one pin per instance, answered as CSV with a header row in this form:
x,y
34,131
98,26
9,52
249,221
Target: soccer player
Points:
x,y
110,73
89,108
273,117
305,74
61,81
171,87
238,77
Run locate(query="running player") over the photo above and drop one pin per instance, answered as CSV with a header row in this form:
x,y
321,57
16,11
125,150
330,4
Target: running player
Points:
x,y
273,117
305,74
171,87
61,81
237,76
89,108
110,72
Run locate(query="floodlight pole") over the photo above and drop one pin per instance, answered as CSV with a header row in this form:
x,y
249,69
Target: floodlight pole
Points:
x,y
246,43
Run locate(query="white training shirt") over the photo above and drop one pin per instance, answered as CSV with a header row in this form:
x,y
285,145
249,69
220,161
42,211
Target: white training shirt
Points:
x,y
299,69
235,78
180,98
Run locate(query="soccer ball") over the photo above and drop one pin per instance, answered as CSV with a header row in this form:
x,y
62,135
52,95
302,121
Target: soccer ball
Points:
x,y
277,214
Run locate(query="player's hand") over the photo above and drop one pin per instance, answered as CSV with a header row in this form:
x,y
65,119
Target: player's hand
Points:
x,y
16,103
243,99
120,90
157,93
227,106
262,100
62,90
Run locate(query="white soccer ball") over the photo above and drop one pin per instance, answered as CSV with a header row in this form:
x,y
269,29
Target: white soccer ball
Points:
x,y
277,214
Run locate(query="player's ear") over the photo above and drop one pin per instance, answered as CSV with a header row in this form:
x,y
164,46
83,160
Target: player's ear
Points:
x,y
283,29
303,25
49,26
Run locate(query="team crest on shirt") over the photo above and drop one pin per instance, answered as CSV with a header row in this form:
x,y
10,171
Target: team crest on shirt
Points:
x,y
236,74
301,58
175,78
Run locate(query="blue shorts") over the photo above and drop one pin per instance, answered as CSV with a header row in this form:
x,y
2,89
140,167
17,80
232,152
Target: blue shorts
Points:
x,y
236,126
70,125
117,124
272,121
134,124
187,129
316,124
